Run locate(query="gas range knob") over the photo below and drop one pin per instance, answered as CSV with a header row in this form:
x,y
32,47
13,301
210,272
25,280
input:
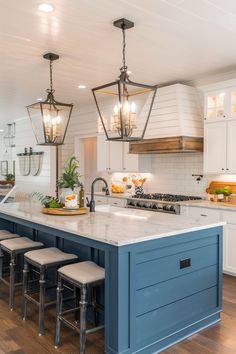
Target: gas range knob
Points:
x,y
154,206
172,208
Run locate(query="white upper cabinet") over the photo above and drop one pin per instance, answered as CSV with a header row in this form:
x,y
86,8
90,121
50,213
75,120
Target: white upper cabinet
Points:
x,y
231,147
215,146
113,156
220,130
216,105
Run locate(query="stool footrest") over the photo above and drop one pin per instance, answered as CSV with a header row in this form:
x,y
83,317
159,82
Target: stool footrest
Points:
x,y
76,328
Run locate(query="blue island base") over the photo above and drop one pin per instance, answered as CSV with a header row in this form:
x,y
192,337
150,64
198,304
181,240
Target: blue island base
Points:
x,y
157,292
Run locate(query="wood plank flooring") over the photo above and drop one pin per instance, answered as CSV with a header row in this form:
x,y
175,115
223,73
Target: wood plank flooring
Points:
x,y
19,337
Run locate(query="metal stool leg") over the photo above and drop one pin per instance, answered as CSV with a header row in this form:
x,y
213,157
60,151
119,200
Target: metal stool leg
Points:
x,y
41,301
12,281
25,288
59,311
83,307
1,263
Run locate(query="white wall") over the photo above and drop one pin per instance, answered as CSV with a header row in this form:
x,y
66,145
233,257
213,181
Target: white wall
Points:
x,y
45,181
5,155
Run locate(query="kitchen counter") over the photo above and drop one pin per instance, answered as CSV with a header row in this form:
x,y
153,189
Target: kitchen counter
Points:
x,y
112,225
163,272
209,204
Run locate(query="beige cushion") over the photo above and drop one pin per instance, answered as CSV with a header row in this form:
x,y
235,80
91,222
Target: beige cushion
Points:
x,y
4,234
19,243
50,255
83,272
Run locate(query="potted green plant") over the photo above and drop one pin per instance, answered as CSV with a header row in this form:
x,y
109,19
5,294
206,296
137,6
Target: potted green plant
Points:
x,y
10,178
223,193
69,179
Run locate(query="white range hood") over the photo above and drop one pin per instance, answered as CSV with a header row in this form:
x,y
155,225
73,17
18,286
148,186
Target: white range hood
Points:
x,y
175,124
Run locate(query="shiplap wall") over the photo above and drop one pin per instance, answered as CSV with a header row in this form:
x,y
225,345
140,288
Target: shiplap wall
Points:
x,y
5,155
45,181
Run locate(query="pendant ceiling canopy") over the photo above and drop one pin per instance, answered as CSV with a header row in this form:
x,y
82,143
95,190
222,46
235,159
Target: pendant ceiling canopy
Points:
x,y
50,118
124,106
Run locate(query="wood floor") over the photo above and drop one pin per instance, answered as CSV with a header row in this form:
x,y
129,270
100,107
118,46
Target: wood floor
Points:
x,y
20,337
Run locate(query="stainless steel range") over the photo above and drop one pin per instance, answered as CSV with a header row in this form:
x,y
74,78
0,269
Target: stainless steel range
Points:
x,y
166,203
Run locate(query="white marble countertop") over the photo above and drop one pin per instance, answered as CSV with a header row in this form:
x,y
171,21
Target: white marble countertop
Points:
x,y
209,204
112,225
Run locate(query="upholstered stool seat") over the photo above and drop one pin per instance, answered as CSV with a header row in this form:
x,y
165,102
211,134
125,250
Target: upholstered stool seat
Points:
x,y
48,256
14,247
82,275
83,272
5,234
42,260
18,244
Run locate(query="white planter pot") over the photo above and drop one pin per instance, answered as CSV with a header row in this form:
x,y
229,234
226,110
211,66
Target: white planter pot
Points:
x,y
64,193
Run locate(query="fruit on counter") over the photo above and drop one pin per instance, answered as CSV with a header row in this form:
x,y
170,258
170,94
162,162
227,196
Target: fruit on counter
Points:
x,y
138,182
115,188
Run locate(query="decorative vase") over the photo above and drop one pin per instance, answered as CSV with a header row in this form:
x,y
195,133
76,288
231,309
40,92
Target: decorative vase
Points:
x,y
139,190
64,193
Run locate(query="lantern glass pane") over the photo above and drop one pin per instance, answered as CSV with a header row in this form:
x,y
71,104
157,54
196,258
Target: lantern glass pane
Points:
x,y
49,122
124,109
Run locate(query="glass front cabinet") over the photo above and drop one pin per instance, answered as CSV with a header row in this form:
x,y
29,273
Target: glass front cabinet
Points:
x,y
220,105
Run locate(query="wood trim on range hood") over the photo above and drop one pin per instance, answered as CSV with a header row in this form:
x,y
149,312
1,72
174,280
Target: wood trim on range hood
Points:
x,y
167,145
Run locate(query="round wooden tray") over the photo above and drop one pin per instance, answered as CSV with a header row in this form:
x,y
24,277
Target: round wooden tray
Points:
x,y
61,211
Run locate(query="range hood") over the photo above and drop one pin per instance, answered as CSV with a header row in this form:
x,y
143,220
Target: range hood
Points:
x,y
175,124
167,145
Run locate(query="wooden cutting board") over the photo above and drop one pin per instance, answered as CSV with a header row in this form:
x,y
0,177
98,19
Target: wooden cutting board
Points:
x,y
61,211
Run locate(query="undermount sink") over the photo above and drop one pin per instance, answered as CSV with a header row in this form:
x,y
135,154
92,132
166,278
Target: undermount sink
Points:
x,y
106,208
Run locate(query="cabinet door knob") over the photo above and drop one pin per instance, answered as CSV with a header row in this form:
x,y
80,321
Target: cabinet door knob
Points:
x,y
227,169
222,169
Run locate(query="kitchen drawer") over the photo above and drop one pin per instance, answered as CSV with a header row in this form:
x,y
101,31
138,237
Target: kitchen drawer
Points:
x,y
204,212
162,294
229,216
117,202
100,200
165,268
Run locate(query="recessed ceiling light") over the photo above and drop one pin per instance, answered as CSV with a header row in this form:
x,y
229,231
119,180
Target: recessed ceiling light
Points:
x,y
39,99
1,130
81,86
46,7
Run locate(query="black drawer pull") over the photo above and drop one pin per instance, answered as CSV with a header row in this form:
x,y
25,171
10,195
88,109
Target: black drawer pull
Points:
x,y
185,263
203,214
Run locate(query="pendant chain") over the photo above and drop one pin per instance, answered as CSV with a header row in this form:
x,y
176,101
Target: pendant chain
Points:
x,y
124,48
51,85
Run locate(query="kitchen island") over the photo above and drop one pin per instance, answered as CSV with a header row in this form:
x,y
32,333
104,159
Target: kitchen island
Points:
x,y
163,272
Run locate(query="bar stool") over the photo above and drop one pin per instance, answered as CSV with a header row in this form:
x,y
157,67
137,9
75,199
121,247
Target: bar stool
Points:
x,y
14,247
5,235
82,275
42,260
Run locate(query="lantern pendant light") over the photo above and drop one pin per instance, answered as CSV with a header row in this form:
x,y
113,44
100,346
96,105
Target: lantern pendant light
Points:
x,y
50,118
124,107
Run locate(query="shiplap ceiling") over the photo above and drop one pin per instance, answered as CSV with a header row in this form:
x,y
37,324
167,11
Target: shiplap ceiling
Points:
x,y
173,40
